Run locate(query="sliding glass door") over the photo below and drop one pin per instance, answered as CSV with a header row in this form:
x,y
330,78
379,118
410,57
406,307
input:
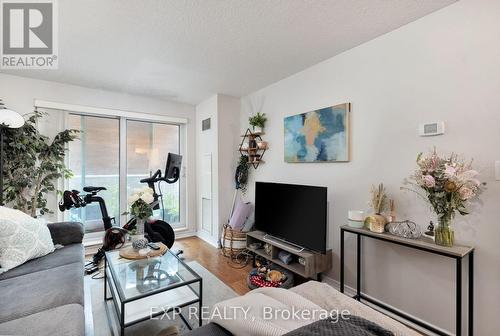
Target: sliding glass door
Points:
x,y
95,161
148,145
105,147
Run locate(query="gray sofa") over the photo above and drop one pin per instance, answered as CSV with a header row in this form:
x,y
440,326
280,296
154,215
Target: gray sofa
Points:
x,y
45,295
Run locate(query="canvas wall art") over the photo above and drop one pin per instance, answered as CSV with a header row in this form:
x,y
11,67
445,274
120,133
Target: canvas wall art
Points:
x,y
318,136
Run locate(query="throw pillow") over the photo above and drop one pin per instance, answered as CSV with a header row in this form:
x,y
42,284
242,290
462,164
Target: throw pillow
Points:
x,y
22,238
240,215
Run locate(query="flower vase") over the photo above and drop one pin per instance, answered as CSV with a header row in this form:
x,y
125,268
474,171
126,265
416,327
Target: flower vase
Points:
x,y
139,241
443,234
139,225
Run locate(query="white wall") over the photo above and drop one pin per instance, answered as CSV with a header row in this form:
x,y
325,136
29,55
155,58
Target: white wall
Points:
x,y
229,138
206,144
445,66
18,94
221,142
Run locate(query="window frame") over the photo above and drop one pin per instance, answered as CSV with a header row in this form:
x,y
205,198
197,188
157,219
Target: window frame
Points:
x,y
123,117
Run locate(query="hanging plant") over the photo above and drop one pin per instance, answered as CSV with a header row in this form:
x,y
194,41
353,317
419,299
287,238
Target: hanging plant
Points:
x,y
241,176
33,164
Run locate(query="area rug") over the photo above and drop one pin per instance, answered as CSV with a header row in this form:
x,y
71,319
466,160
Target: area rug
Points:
x,y
214,291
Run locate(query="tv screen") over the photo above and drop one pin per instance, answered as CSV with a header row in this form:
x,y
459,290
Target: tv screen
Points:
x,y
295,213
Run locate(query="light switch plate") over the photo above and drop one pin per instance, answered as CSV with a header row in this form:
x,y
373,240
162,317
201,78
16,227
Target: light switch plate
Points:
x,y
497,170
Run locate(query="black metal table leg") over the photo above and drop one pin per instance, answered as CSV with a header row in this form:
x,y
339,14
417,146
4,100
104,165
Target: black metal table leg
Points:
x,y
200,304
458,328
122,320
341,260
471,293
358,269
105,281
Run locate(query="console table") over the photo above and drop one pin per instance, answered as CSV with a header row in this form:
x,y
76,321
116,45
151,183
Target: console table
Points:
x,y
458,253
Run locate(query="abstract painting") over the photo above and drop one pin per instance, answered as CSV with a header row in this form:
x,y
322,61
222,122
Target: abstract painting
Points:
x,y
318,136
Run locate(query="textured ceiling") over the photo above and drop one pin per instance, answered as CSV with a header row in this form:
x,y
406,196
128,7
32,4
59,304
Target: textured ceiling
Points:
x,y
187,50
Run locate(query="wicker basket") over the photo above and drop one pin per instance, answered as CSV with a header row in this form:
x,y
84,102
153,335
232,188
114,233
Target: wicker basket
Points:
x,y
233,242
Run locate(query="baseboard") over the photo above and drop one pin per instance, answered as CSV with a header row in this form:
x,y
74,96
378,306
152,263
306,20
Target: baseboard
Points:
x,y
184,234
350,291
204,236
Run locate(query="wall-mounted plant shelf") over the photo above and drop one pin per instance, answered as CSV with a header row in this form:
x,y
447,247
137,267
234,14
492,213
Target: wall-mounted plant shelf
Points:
x,y
253,146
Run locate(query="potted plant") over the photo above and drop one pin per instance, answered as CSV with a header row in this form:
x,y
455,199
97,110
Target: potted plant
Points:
x,y
258,122
33,165
449,184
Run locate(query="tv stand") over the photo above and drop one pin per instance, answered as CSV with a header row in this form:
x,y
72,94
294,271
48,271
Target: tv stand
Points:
x,y
315,262
276,241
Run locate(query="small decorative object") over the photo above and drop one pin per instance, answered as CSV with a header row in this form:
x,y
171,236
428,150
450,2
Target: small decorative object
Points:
x,y
318,136
302,261
449,185
140,243
356,218
405,229
376,223
392,209
275,276
285,257
268,248
255,246
430,230
262,144
258,122
252,144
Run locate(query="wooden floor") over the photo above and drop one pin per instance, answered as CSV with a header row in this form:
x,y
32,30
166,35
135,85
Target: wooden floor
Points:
x,y
211,258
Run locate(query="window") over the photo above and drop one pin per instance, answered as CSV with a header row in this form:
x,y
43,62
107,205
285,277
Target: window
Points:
x,y
95,161
148,145
107,144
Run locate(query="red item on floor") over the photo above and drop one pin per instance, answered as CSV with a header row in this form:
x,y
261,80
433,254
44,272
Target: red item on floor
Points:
x,y
259,282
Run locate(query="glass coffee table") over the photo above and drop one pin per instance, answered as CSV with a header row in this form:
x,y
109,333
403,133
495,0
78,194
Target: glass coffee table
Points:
x,y
147,288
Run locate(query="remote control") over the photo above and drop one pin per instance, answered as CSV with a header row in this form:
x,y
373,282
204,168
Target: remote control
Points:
x,y
154,246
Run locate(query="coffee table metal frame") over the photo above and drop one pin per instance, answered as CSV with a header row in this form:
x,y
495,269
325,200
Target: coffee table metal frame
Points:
x,y
120,313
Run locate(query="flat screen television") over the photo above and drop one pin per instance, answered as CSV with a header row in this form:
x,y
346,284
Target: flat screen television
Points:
x,y
294,213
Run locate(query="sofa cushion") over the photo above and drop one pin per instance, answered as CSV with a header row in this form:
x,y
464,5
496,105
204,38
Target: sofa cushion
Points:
x,y
64,320
67,255
66,233
32,293
21,238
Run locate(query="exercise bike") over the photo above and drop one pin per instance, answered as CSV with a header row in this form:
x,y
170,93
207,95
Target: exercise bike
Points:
x,y
114,237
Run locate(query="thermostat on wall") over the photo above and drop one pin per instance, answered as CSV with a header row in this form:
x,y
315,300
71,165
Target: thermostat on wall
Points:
x,y
430,129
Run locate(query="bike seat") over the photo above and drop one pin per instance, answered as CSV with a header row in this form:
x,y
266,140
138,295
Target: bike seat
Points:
x,y
93,189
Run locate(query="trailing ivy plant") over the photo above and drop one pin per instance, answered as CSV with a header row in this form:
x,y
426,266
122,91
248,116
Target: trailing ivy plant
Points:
x,y
33,164
241,176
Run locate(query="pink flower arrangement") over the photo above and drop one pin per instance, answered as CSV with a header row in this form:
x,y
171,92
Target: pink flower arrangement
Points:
x,y
449,183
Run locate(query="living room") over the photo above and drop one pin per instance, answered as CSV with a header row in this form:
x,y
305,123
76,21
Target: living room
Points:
x,y
213,167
